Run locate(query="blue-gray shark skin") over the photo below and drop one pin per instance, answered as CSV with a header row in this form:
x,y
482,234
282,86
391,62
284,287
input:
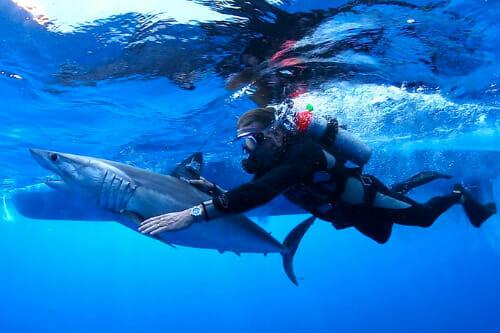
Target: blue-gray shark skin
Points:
x,y
133,194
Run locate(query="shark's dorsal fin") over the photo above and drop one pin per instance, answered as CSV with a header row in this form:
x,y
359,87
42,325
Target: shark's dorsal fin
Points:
x,y
190,168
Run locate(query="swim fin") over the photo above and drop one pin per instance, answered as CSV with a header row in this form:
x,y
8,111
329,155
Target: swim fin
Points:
x,y
477,212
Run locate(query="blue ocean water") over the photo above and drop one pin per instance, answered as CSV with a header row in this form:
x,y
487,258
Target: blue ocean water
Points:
x,y
417,80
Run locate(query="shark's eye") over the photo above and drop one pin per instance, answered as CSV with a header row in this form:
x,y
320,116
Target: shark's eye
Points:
x,y
53,157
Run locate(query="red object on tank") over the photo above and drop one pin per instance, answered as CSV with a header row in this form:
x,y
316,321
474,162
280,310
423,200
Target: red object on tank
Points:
x,y
303,120
285,47
299,91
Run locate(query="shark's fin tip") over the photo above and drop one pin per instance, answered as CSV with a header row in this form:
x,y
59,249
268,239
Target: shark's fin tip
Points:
x,y
291,244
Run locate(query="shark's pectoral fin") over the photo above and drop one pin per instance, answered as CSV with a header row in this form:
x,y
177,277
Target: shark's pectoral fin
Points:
x,y
291,244
137,218
133,216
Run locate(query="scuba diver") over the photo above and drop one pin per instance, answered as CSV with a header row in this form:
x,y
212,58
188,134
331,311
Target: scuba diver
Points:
x,y
305,157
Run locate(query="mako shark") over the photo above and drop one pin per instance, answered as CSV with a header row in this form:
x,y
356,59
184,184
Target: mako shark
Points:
x,y
132,195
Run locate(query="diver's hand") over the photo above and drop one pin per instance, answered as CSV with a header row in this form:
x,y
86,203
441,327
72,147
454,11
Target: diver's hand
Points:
x,y
167,222
202,184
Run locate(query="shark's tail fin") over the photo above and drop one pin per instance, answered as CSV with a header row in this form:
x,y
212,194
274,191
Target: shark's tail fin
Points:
x,y
291,244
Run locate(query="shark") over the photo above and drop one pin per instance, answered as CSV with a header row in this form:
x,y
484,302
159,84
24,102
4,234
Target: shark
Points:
x,y
129,195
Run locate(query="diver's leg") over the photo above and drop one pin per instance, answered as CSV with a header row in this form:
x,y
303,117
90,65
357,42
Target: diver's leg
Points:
x,y
378,230
392,207
419,179
367,219
424,215
381,205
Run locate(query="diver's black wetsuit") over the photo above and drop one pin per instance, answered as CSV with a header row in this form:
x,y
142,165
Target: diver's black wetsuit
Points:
x,y
302,176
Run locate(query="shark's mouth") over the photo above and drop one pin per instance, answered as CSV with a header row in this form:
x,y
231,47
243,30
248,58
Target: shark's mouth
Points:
x,y
55,182
46,159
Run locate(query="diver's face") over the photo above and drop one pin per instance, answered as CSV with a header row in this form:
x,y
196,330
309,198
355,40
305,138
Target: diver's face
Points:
x,y
262,148
260,135
251,142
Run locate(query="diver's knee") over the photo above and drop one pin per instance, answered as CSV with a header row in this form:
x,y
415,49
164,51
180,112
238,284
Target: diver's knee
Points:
x,y
382,240
388,202
427,223
381,237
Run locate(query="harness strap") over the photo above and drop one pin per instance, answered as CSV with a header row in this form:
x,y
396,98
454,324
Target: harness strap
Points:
x,y
369,190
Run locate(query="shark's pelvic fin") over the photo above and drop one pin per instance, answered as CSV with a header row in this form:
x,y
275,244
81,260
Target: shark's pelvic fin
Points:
x,y
170,244
291,244
190,168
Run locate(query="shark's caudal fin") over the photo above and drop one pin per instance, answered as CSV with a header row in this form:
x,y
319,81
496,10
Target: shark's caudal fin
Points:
x,y
190,168
291,244
419,179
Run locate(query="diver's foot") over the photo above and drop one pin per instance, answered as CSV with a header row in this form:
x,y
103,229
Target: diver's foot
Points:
x,y
476,211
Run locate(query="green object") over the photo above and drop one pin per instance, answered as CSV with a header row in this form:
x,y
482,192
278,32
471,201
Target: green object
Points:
x,y
309,107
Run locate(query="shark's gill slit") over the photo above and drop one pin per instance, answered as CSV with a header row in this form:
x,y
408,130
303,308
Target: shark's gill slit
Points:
x,y
102,189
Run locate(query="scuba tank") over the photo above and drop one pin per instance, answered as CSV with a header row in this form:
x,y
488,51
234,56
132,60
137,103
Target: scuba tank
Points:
x,y
326,130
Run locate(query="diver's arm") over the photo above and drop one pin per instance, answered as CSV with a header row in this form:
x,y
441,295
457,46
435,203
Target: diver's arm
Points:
x,y
217,190
242,198
300,164
263,189
236,81
252,194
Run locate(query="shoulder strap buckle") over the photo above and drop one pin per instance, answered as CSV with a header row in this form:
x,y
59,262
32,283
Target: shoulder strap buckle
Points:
x,y
366,180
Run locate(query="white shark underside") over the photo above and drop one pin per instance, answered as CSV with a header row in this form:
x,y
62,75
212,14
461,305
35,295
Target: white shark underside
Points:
x,y
133,194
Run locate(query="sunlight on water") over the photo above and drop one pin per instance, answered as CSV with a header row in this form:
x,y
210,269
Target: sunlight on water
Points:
x,y
379,112
5,211
148,83
65,16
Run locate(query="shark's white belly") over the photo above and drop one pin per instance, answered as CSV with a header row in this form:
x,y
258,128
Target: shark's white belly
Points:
x,y
234,233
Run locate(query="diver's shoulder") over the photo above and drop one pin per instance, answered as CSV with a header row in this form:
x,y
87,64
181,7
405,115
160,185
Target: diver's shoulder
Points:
x,y
303,146
298,141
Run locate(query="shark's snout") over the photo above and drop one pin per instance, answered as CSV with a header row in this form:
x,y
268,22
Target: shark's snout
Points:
x,y
45,158
41,156
37,152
